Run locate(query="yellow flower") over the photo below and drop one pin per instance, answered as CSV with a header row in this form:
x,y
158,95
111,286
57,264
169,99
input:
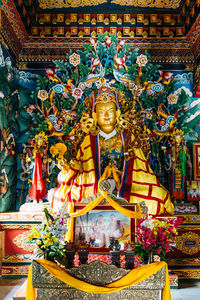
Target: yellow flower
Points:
x,y
54,239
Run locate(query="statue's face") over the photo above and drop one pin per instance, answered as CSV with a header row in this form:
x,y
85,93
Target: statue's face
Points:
x,y
40,142
178,139
106,116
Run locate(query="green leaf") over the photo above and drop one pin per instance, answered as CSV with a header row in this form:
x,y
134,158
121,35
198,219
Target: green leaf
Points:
x,y
83,56
102,36
133,55
67,129
37,119
133,71
43,126
160,98
183,98
84,71
126,48
67,103
87,47
42,82
101,50
75,76
112,50
114,38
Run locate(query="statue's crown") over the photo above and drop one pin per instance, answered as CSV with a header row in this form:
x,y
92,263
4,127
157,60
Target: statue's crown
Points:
x,y
105,95
177,131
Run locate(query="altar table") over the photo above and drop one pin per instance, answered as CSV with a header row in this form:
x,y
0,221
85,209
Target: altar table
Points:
x,y
97,273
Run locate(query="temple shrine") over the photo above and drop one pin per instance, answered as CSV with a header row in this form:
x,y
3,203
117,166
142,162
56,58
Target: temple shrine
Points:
x,y
100,147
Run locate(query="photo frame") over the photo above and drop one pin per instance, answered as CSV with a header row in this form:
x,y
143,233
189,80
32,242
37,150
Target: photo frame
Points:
x,y
101,224
196,160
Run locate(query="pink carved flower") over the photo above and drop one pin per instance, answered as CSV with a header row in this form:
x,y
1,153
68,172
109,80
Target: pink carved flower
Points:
x,y
95,63
30,108
120,61
65,95
75,59
82,85
141,60
77,93
121,43
108,42
172,99
42,95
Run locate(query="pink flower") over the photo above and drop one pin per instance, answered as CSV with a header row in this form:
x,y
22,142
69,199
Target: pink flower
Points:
x,y
75,59
30,108
108,42
65,95
82,85
93,42
77,93
95,63
120,61
141,60
51,72
121,43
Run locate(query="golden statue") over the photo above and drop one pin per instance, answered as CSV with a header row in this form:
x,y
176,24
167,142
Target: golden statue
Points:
x,y
179,158
110,151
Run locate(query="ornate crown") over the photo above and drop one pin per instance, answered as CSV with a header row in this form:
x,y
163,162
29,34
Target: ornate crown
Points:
x,y
105,95
42,136
177,132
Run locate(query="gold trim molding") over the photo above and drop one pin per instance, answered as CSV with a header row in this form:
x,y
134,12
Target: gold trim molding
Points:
x,y
151,3
47,4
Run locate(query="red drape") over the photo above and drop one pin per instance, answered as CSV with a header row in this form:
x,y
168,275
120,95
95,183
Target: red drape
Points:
x,y
37,190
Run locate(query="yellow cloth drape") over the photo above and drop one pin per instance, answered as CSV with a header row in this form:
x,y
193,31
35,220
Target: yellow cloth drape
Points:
x,y
133,277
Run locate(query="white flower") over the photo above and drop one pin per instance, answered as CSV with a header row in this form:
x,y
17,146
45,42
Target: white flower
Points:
x,y
141,60
187,91
77,93
1,94
75,59
148,223
172,98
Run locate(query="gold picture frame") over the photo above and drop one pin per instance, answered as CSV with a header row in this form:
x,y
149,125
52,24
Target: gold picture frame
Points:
x,y
196,160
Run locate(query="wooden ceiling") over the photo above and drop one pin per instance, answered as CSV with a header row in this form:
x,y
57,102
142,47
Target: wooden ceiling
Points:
x,y
43,30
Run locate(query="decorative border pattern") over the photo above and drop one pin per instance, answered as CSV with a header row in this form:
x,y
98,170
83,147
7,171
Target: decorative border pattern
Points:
x,y
49,4
20,217
174,4
21,242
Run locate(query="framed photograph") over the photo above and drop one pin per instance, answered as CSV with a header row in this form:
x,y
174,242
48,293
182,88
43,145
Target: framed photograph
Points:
x,y
102,224
196,160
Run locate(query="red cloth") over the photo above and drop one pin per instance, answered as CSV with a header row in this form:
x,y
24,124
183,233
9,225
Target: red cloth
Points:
x,y
37,191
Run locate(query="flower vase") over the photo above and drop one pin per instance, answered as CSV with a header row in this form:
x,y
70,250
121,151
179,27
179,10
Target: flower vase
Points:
x,y
83,256
115,258
70,257
150,258
47,257
129,259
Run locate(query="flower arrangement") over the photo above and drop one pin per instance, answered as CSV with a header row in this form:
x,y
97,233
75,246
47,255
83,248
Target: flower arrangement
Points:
x,y
129,246
156,236
114,245
49,236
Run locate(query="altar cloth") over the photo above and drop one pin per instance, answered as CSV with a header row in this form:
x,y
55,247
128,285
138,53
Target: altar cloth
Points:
x,y
133,277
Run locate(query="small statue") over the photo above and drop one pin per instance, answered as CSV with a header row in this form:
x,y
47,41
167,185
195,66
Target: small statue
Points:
x,y
179,157
37,191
